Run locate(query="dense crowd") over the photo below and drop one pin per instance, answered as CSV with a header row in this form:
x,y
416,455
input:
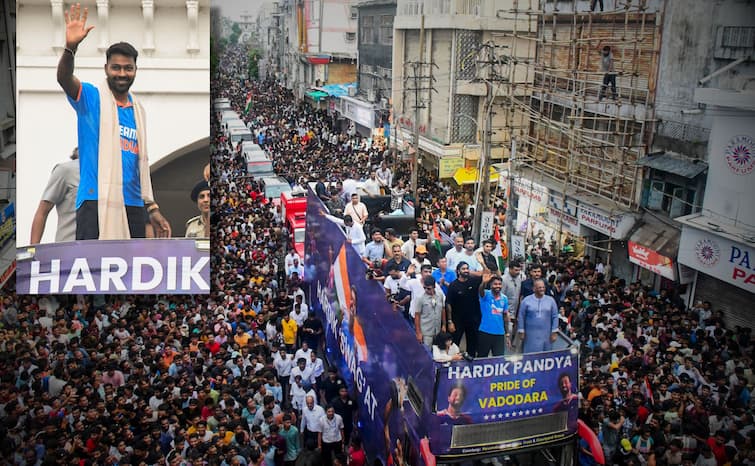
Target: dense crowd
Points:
x,y
238,378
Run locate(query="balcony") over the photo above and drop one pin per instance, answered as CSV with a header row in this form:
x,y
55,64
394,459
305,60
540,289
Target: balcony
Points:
x,y
458,14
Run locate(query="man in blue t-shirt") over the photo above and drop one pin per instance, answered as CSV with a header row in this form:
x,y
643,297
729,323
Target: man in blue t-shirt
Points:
x,y
494,307
120,71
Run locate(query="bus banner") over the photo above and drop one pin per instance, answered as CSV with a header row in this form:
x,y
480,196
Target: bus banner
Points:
x,y
511,388
512,392
136,266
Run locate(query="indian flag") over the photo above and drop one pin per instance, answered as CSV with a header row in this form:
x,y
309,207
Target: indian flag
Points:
x,y
436,239
248,104
500,252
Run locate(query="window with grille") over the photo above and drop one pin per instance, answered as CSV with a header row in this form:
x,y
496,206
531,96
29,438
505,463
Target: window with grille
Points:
x,y
467,45
368,30
465,115
386,30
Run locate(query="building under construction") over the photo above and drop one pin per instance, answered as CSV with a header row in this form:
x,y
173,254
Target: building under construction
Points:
x,y
575,166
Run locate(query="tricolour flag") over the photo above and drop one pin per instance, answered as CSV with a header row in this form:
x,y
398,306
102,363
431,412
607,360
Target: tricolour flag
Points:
x,y
248,104
436,239
500,252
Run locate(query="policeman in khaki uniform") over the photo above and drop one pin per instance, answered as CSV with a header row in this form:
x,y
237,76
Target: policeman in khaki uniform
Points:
x,y
197,226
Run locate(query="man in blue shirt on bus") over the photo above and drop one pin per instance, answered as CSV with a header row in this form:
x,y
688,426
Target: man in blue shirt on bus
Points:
x,y
494,307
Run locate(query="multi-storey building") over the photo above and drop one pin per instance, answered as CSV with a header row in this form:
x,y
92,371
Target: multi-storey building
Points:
x,y
319,43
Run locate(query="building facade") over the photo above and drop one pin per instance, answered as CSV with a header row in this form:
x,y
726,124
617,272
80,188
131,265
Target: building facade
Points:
x,y
319,43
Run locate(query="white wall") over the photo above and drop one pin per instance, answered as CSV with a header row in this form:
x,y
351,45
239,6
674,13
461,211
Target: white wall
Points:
x,y
173,84
731,186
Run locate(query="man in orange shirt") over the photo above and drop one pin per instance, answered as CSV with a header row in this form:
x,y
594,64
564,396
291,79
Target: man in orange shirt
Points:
x,y
241,338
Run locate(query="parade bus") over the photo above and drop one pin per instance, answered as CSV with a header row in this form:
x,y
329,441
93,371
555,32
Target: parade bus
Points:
x,y
415,411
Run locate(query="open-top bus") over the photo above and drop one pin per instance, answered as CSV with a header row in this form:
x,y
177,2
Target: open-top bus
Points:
x,y
501,405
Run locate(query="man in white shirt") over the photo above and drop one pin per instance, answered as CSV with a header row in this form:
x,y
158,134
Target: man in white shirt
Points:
x,y
355,234
469,256
296,266
300,311
310,419
317,367
356,209
330,439
283,365
409,247
416,286
290,259
456,254
385,177
371,187
303,353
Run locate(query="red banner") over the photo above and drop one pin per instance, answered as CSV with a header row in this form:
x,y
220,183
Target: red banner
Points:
x,y
651,260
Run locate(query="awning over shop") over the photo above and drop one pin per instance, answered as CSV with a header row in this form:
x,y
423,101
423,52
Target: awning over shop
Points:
x,y
317,95
337,90
677,164
654,246
464,176
318,59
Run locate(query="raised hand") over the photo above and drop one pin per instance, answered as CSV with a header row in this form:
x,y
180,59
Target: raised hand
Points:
x,y
76,26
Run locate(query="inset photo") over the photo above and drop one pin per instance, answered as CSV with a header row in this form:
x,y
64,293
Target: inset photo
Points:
x,y
113,147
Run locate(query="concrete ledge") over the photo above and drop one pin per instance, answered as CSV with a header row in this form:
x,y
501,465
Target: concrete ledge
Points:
x,y
725,98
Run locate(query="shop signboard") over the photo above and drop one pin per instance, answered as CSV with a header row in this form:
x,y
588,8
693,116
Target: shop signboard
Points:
x,y
365,116
714,255
567,204
651,260
447,166
486,225
616,226
568,223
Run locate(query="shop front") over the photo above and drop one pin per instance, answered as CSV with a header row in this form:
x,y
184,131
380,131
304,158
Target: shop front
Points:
x,y
653,248
725,266
360,113
606,234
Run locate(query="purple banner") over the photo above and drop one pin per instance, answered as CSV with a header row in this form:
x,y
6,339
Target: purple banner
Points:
x,y
137,266
540,386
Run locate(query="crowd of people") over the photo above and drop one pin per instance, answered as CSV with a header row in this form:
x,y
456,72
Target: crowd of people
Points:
x,y
237,377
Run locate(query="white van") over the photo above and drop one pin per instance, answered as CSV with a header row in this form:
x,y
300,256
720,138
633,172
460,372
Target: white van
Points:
x,y
233,124
274,186
221,104
248,146
258,164
228,115
237,135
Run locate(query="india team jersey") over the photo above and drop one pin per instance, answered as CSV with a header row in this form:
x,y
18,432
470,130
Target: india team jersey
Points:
x,y
87,108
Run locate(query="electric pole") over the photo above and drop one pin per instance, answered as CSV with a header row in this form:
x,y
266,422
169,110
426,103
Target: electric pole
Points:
x,y
419,64
495,78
